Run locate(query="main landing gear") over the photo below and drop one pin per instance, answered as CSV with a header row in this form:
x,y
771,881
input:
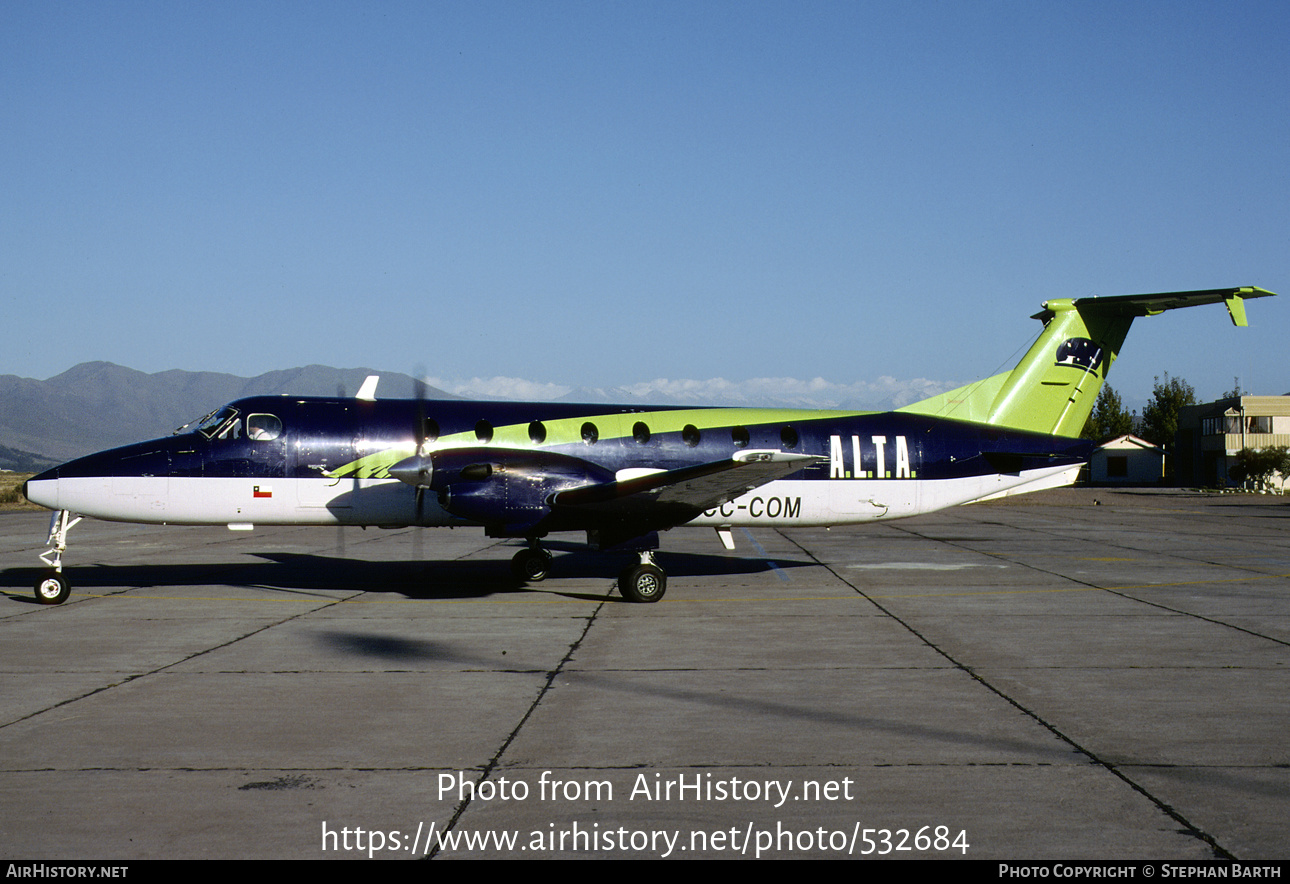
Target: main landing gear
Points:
x,y
531,564
52,588
645,582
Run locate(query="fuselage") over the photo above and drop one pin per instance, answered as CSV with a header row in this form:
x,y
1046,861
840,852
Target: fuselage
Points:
x,y
311,461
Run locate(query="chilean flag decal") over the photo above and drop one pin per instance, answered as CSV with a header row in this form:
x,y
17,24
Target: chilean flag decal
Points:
x,y
262,491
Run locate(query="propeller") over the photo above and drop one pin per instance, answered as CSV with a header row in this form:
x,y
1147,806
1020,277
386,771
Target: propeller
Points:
x,y
340,528
423,465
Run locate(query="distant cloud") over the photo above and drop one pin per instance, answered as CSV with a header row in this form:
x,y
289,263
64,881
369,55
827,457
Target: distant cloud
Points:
x,y
500,388
884,393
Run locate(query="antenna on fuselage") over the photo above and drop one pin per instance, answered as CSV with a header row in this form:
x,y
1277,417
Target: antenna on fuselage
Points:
x,y
367,392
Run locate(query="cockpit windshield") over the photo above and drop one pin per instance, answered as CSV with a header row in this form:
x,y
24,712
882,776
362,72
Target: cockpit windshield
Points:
x,y
223,423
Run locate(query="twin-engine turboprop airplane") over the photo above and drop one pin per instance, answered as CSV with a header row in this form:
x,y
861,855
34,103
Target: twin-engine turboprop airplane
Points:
x,y
620,474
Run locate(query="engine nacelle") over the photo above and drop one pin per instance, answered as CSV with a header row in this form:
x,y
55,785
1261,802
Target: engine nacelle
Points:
x,y
507,490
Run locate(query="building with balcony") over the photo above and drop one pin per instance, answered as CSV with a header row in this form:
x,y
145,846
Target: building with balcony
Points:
x,y
1210,436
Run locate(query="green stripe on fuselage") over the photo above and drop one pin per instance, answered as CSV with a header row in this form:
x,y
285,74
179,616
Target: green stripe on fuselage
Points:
x,y
611,426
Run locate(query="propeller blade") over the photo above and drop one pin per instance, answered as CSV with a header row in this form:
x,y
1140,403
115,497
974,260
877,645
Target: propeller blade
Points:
x,y
423,466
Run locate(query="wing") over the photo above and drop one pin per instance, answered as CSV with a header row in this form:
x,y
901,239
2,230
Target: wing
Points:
x,y
669,498
525,493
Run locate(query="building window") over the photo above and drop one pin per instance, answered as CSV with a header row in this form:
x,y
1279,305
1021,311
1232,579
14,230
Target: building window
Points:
x,y
1117,466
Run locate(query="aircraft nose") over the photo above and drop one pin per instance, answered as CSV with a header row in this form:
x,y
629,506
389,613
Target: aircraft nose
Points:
x,y
42,490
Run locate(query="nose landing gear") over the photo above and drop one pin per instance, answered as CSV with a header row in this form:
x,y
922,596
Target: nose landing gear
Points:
x,y
52,588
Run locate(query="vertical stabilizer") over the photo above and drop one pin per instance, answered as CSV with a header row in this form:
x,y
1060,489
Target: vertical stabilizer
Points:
x,y
1053,389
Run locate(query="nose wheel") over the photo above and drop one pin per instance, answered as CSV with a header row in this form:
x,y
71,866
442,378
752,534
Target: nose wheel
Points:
x,y
52,589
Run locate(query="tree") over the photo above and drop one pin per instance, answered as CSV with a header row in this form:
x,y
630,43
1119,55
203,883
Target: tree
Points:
x,y
1258,465
1108,420
1160,417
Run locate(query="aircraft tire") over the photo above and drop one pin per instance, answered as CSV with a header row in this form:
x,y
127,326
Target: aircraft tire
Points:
x,y
531,565
52,589
643,583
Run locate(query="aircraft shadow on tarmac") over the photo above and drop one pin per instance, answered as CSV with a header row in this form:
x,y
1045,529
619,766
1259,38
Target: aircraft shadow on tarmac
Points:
x,y
414,578
856,714
1278,510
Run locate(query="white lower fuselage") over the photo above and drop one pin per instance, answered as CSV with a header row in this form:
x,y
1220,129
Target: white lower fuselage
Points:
x,y
244,502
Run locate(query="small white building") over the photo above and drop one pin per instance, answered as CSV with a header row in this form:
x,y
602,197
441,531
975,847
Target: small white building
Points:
x,y
1127,460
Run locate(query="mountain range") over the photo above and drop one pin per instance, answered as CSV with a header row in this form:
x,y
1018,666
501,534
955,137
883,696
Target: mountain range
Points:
x,y
98,405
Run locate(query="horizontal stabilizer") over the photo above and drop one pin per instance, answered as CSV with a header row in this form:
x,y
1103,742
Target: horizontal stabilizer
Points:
x,y
1151,305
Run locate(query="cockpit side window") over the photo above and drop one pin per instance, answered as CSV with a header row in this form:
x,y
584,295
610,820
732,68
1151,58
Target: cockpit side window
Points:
x,y
263,427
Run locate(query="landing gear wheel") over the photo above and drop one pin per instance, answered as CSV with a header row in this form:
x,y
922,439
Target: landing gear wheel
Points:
x,y
531,565
52,589
643,583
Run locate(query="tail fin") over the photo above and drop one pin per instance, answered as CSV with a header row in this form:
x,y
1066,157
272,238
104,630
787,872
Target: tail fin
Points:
x,y
1053,388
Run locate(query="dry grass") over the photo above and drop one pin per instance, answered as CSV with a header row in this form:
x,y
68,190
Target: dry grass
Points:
x,y
11,492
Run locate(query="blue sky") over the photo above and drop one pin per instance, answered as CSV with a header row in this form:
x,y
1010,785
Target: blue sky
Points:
x,y
607,193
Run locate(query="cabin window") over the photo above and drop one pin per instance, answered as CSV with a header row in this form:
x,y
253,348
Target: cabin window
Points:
x,y
484,431
739,436
537,432
429,429
263,427
589,433
788,436
640,432
690,434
